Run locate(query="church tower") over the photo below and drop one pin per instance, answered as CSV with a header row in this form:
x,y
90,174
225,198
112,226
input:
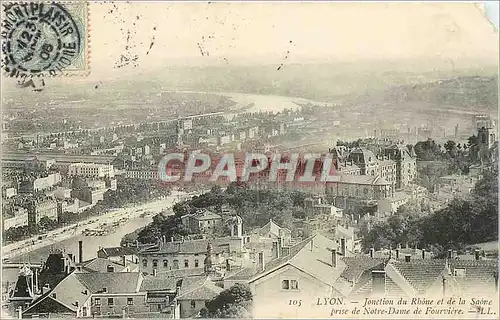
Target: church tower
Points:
x,y
486,137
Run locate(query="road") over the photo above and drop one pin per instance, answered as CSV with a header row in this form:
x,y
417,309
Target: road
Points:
x,y
58,235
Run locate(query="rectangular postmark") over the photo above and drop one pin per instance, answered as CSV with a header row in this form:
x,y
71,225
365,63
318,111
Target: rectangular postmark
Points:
x,y
45,39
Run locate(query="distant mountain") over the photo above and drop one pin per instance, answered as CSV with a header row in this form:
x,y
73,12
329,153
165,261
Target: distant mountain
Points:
x,y
468,92
317,81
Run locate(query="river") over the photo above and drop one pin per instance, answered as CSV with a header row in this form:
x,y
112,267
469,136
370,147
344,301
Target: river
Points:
x,y
247,102
69,241
90,246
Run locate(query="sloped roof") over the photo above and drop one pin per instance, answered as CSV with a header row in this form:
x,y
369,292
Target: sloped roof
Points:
x,y
314,257
114,282
421,274
356,266
206,215
182,273
158,283
201,289
392,290
71,291
190,246
101,265
66,293
241,274
358,179
316,260
269,228
479,274
363,154
118,251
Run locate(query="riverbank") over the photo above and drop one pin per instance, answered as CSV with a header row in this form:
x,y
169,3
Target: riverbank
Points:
x,y
20,248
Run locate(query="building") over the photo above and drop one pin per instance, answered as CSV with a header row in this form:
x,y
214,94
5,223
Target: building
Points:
x,y
19,219
38,209
117,254
273,231
68,205
62,193
47,182
192,298
46,161
314,267
202,221
142,174
364,187
92,193
189,254
9,192
91,170
391,204
92,294
315,206
406,164
105,265
31,185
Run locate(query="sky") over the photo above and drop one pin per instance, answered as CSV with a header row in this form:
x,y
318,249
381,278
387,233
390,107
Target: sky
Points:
x,y
128,38
492,11
157,34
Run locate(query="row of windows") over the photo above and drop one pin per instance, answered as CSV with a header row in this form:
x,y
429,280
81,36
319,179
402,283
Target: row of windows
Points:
x,y
175,263
111,301
289,284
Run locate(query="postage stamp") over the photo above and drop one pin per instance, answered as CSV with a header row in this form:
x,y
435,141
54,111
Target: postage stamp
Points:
x,y
45,38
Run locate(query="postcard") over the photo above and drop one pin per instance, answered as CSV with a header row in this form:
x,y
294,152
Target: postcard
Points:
x,y
256,160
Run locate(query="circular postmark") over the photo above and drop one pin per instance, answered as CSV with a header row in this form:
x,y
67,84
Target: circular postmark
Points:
x,y
39,39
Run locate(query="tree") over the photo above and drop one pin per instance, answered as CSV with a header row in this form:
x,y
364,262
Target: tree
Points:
x,y
401,227
169,227
234,302
46,223
451,148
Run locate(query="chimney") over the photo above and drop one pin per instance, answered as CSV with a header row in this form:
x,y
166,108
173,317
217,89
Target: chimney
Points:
x,y
408,258
372,250
80,251
343,247
423,254
334,258
378,280
397,253
155,272
449,254
476,254
261,261
124,261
